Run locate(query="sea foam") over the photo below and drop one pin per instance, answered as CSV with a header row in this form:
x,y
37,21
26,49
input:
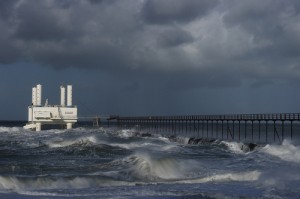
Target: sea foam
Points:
x,y
243,176
286,151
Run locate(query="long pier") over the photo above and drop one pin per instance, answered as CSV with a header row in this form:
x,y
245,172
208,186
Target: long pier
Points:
x,y
260,128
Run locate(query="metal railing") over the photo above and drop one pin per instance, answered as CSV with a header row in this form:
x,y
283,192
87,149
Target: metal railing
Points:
x,y
270,127
237,117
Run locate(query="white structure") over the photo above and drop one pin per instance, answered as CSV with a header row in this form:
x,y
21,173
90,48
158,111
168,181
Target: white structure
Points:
x,y
62,96
69,95
51,114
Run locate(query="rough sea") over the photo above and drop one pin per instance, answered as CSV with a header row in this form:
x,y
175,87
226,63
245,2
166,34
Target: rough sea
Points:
x,y
123,163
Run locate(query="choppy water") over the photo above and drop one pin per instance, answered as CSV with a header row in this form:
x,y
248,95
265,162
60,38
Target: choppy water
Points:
x,y
110,163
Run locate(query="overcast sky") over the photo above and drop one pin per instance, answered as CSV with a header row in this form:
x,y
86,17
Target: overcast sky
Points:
x,y
152,57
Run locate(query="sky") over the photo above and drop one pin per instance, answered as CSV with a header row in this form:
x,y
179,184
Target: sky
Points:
x,y
151,57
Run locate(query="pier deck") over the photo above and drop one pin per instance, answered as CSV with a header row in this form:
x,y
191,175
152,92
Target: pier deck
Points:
x,y
259,128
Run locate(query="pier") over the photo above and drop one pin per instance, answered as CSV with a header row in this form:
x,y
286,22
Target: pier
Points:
x,y
259,128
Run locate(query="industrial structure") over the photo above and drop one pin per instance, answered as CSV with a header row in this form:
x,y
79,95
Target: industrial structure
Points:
x,y
63,114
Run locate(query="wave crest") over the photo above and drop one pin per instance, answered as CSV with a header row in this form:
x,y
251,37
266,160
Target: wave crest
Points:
x,y
243,176
89,140
286,151
51,182
144,166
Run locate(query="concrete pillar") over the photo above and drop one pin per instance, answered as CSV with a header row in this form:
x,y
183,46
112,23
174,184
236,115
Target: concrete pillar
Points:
x,y
30,113
69,125
38,126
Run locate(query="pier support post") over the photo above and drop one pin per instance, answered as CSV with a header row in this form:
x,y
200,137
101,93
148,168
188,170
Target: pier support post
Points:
x,y
239,130
38,126
259,130
266,131
245,130
291,130
69,125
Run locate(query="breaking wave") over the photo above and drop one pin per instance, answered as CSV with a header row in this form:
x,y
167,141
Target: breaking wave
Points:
x,y
60,142
234,146
243,176
105,162
54,182
286,151
143,166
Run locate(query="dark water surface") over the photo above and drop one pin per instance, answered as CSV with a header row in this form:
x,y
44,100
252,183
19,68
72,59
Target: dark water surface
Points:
x,y
114,163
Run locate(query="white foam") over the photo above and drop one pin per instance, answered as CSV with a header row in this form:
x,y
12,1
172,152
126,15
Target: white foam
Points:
x,y
126,133
286,151
56,143
153,168
129,146
10,129
234,146
26,183
165,168
145,145
240,177
166,140
182,140
170,148
57,131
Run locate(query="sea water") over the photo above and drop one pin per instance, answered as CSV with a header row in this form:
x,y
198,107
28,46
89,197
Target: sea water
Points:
x,y
123,163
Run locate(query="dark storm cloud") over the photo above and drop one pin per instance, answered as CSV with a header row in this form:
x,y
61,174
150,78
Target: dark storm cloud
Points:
x,y
9,49
274,32
182,43
39,22
168,11
101,1
6,8
262,19
9,52
174,37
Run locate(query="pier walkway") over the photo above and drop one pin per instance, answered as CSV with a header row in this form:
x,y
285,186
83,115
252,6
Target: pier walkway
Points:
x,y
260,128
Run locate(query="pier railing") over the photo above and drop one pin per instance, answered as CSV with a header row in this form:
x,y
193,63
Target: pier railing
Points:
x,y
274,127
273,116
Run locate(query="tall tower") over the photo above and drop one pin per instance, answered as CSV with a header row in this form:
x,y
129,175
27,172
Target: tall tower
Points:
x,y
62,95
69,102
69,95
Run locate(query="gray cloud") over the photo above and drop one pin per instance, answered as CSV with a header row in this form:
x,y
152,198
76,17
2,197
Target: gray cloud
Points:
x,y
6,8
184,44
169,11
273,30
264,22
174,37
39,22
9,52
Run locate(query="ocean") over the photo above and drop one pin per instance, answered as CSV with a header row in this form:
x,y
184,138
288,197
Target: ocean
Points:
x,y
101,162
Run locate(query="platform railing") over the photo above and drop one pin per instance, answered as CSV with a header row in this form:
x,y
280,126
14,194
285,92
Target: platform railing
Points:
x,y
269,127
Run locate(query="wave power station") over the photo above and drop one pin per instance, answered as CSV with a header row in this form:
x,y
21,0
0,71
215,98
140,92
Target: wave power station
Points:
x,y
63,114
